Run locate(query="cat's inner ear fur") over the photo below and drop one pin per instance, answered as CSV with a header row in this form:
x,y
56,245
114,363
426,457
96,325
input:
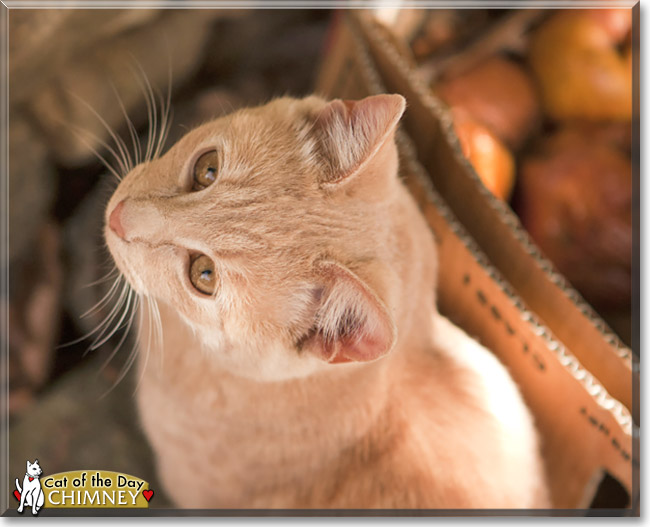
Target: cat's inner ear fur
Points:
x,y
351,134
350,322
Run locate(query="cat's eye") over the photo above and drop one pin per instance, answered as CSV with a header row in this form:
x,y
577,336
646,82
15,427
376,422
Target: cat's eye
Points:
x,y
205,170
202,274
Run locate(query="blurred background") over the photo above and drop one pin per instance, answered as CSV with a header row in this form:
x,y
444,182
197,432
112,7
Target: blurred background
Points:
x,y
544,117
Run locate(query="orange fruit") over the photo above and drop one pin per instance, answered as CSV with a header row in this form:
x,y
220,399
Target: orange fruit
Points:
x,y
490,158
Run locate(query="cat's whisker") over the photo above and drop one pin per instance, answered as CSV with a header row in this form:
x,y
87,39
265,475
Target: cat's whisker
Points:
x,y
104,300
112,273
154,124
125,160
162,124
149,340
150,119
108,328
152,111
134,353
98,343
134,310
120,161
163,139
159,330
97,328
168,110
137,147
101,327
104,162
150,302
164,132
165,108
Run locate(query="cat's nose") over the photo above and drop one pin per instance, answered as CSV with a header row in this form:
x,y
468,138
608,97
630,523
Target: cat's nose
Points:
x,y
114,220
139,219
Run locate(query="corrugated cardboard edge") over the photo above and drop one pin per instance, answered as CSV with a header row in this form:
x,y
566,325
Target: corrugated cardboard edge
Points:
x,y
565,357
503,213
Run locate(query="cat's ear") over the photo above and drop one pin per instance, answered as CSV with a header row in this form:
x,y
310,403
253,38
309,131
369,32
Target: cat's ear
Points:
x,y
350,323
355,135
28,464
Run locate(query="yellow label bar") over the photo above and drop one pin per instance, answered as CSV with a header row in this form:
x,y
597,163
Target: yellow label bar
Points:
x,y
95,489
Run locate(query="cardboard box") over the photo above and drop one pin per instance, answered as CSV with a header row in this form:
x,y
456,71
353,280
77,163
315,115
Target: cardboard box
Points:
x,y
574,373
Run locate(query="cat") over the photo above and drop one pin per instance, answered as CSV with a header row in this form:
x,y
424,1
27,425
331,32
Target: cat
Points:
x,y
303,362
31,494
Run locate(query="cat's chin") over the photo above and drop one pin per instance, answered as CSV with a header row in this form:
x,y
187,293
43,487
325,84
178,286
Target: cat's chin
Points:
x,y
113,242
274,364
134,282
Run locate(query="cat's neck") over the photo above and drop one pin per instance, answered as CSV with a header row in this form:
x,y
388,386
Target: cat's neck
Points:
x,y
345,400
202,375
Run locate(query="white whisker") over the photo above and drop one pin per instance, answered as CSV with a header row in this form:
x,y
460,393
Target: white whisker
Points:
x,y
102,326
96,344
125,160
134,311
165,109
105,299
161,132
152,112
137,147
149,340
97,154
122,166
159,330
114,271
99,326
133,354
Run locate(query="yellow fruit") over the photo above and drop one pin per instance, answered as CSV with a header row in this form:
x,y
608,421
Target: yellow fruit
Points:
x,y
580,70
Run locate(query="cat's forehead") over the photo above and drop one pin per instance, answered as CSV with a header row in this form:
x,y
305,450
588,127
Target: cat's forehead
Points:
x,y
275,138
273,122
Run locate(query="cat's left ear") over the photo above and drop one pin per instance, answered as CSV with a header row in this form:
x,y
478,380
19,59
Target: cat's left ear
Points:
x,y
356,137
350,322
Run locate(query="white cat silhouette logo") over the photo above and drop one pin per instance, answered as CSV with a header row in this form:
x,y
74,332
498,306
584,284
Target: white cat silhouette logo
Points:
x,y
31,494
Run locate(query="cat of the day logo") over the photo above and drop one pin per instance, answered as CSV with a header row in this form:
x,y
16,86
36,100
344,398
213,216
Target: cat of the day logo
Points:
x,y
85,489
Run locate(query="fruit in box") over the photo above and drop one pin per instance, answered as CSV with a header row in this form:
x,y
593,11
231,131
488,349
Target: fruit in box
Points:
x,y
576,203
490,158
581,71
499,94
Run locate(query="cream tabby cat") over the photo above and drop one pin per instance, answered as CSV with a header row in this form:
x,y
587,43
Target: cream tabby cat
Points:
x,y
304,363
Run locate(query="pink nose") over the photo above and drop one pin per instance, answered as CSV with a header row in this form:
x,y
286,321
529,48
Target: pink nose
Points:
x,y
114,220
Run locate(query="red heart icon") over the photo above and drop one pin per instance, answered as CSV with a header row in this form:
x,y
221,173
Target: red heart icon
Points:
x,y
148,494
17,494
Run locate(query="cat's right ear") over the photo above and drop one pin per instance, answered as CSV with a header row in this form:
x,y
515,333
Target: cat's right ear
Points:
x,y
350,323
356,140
